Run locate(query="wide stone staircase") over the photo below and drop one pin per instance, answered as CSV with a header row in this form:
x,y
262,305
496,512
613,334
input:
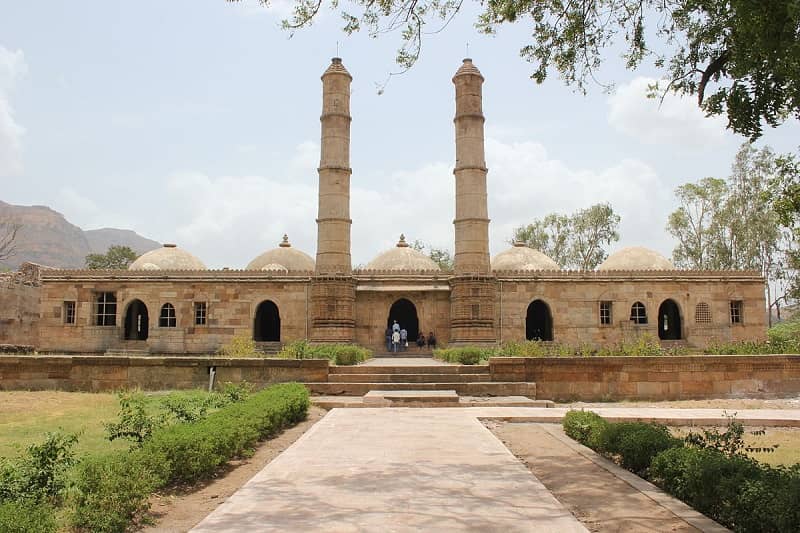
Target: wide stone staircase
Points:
x,y
465,380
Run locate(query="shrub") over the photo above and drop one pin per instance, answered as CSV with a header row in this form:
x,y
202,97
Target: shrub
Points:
x,y
27,516
239,346
40,473
135,423
465,355
638,443
340,354
111,490
584,426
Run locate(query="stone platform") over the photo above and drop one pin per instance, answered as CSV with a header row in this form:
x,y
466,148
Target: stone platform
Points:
x,y
415,398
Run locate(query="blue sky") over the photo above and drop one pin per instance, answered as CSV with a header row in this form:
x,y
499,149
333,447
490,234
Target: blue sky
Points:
x,y
197,122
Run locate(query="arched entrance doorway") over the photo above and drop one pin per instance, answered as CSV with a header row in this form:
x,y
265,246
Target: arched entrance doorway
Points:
x,y
136,321
539,322
405,313
267,325
669,321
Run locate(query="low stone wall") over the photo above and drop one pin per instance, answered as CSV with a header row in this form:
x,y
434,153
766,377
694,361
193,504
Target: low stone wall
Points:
x,y
654,378
106,373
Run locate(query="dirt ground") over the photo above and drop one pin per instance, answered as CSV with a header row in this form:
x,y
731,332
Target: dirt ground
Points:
x,y
179,511
731,404
600,500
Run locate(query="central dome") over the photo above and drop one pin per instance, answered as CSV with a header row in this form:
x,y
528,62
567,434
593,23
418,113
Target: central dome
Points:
x,y
169,257
402,257
636,258
284,257
521,257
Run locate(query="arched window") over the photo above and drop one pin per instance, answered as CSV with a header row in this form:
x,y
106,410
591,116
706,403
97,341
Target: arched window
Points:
x,y
702,313
167,318
638,313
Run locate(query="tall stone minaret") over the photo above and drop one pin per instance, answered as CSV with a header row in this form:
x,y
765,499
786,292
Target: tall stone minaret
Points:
x,y
472,288
333,288
472,217
333,221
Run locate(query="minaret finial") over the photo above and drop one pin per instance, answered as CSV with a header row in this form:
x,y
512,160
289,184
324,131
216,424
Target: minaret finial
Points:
x,y
285,242
402,243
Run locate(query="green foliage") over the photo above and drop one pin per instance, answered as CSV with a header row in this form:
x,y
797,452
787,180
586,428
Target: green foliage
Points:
x,y
584,426
136,421
109,491
116,258
466,355
575,241
636,443
440,256
41,473
340,354
239,346
26,516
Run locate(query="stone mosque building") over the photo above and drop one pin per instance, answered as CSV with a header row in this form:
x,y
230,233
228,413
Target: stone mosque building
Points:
x,y
168,302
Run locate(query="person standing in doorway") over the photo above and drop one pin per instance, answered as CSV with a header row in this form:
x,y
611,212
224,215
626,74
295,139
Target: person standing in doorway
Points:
x,y
395,340
395,327
388,335
431,340
421,341
403,339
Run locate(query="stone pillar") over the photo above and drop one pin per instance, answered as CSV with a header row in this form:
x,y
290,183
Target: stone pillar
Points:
x,y
333,287
473,287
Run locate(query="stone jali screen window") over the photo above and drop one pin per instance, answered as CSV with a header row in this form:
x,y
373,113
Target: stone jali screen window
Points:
x,y
605,313
106,314
200,313
69,312
638,313
702,313
167,318
736,311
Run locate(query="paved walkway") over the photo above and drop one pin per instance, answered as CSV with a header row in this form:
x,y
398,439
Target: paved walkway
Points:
x,y
406,469
394,470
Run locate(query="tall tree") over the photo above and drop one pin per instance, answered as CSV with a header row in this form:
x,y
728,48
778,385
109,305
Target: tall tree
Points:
x,y
784,197
732,224
8,238
116,258
739,58
574,241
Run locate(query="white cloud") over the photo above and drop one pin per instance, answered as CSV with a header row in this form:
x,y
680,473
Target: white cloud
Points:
x,y
677,121
12,69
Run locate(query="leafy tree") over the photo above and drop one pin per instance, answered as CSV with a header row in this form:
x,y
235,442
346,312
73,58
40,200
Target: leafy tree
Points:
x,y
732,224
440,256
116,258
574,241
740,58
784,197
8,238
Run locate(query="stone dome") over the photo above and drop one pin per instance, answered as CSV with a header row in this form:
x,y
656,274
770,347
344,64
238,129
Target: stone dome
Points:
x,y
402,257
521,257
290,259
168,257
636,258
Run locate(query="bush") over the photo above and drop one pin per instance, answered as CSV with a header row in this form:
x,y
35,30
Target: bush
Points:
x,y
584,426
41,473
26,516
111,490
340,354
466,355
239,346
636,443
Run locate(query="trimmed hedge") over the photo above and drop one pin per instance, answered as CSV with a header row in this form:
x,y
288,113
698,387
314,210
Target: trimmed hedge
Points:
x,y
112,490
467,355
731,488
340,354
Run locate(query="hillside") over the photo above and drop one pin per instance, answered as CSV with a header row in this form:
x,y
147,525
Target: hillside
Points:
x,y
47,238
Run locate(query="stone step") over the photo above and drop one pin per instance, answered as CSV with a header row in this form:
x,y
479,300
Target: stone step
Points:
x,y
403,355
408,378
333,402
409,369
491,388
411,398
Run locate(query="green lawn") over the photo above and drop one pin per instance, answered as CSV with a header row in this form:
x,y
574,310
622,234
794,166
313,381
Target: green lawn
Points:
x,y
26,416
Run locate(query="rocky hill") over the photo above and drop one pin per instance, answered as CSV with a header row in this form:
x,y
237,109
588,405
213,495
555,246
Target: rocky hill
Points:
x,y
47,238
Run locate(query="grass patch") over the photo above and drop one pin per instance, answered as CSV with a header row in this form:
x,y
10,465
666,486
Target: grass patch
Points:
x,y
26,416
787,439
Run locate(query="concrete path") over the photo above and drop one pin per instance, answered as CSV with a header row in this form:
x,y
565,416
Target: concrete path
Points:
x,y
394,470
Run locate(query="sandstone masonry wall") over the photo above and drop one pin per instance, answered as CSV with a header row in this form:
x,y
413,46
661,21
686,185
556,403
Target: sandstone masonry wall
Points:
x,y
19,310
654,378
